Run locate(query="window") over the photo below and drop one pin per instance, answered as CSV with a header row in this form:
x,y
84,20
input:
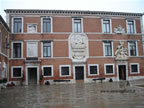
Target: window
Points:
x,y
47,71
46,24
108,50
134,67
77,25
17,49
17,71
32,50
106,26
132,49
47,49
130,26
17,25
109,69
93,69
31,28
65,70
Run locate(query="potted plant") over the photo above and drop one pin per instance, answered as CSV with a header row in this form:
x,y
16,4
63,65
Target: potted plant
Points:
x,y
4,80
1,81
41,79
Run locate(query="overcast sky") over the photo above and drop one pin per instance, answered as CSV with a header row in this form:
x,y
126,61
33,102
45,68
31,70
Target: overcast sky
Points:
x,y
93,5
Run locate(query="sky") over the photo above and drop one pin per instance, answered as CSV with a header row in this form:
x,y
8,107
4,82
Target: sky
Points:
x,y
92,5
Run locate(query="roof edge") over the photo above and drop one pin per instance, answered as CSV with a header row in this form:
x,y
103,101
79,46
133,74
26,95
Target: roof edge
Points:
x,y
39,11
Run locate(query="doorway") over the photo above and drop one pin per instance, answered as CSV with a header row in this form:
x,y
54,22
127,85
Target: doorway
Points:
x,y
79,73
32,76
122,72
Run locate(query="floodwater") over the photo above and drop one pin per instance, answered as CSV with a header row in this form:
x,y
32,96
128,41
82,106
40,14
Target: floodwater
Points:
x,y
79,95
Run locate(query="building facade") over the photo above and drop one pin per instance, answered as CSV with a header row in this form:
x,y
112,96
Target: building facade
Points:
x,y
68,46
4,45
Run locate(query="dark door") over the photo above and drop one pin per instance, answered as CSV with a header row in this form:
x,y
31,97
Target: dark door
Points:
x,y
32,75
79,73
122,72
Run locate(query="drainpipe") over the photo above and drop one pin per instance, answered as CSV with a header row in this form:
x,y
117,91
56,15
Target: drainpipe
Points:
x,y
142,30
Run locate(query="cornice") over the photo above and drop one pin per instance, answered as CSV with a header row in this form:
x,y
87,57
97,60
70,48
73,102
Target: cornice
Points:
x,y
70,12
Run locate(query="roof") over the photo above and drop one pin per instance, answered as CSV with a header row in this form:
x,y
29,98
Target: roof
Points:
x,y
4,23
76,12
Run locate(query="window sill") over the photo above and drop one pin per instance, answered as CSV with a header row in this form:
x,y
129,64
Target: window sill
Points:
x,y
17,58
93,74
110,74
47,76
133,73
65,76
16,77
47,57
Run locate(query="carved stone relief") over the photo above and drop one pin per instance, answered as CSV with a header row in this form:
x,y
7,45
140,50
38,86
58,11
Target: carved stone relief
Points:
x,y
119,30
78,46
32,28
121,52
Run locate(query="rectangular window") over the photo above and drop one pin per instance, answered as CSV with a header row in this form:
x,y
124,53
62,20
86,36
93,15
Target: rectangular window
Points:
x,y
108,48
46,49
16,72
109,69
134,68
93,69
48,71
77,25
17,48
46,24
106,26
17,25
65,70
130,26
132,49
32,50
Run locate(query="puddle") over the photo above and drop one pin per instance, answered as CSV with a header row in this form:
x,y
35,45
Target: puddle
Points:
x,y
91,95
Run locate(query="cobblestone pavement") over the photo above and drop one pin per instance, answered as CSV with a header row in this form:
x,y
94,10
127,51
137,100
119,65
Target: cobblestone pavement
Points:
x,y
90,95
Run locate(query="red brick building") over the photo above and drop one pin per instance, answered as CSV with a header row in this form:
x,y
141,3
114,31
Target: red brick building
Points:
x,y
4,45
67,46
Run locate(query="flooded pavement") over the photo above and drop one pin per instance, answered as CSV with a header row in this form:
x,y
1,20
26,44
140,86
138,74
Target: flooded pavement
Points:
x,y
80,95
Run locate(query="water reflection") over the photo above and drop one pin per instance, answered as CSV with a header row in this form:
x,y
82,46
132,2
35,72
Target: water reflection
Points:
x,y
91,95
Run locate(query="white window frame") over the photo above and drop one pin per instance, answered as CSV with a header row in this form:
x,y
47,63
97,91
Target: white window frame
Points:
x,y
89,69
51,49
104,49
134,26
137,67
52,73
28,28
113,69
51,24
16,67
13,24
73,25
103,26
27,48
60,68
136,49
12,49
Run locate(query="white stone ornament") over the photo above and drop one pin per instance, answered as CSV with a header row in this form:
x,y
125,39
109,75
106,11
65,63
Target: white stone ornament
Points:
x,y
78,46
32,28
121,52
119,30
